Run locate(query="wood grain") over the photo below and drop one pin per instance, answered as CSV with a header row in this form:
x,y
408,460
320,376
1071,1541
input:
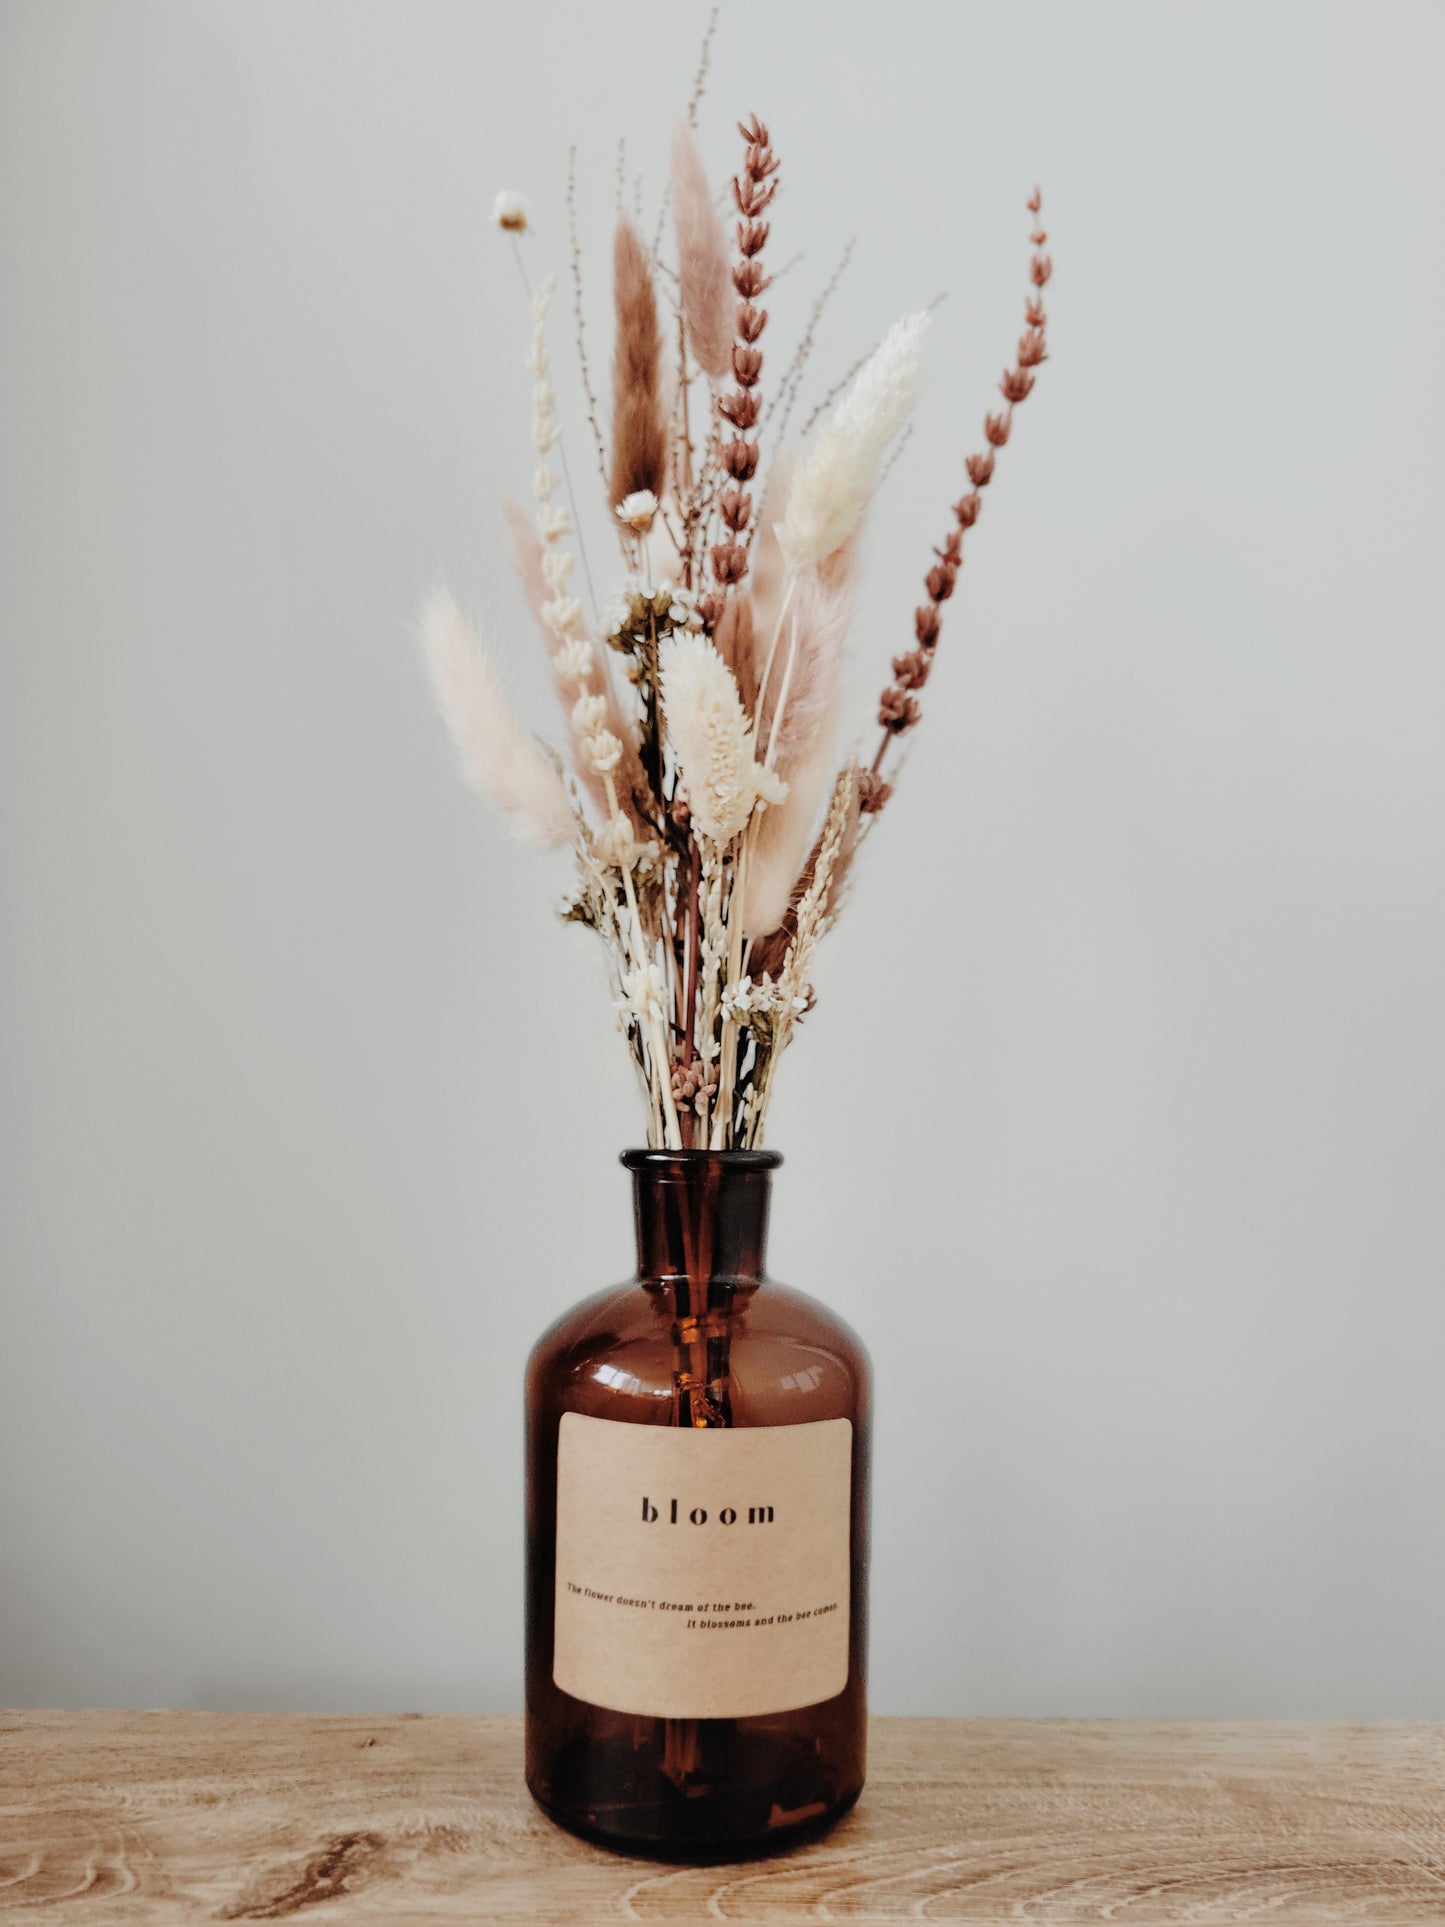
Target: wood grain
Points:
x,y
123,1817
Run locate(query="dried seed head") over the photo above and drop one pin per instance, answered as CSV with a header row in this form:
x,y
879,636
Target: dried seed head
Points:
x,y
747,364
926,623
980,469
751,321
873,792
741,409
729,563
749,279
740,459
966,509
509,211
911,671
1016,384
735,506
695,1085
897,711
752,237
1031,349
940,580
1040,268
996,428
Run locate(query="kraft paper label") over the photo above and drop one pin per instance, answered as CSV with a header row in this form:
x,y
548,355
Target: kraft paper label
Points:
x,y
702,1574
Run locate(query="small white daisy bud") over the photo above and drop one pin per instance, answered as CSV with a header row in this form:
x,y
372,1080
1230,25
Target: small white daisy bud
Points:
x,y
636,511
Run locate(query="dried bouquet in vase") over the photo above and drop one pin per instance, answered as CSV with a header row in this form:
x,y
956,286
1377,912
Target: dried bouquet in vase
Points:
x,y
714,831
698,1438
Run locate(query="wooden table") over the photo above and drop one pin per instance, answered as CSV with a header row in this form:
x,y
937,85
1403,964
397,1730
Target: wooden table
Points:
x,y
198,1816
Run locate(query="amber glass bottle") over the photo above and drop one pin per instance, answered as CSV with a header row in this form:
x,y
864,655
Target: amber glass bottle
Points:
x,y
697,1536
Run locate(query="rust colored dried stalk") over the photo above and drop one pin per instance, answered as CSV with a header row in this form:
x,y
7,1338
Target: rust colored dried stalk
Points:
x,y
753,190
898,708
639,423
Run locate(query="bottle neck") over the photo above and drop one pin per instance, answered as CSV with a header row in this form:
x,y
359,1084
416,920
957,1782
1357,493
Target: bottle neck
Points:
x,y
701,1216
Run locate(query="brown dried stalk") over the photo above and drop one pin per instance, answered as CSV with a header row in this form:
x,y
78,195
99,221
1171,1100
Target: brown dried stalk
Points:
x,y
639,421
793,375
753,191
576,256
898,709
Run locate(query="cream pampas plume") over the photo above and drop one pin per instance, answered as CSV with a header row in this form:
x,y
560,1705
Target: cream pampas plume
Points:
x,y
526,547
498,756
817,625
639,422
781,842
708,304
801,747
835,479
712,738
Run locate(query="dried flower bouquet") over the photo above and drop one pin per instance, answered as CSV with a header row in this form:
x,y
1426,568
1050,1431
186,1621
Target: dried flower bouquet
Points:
x,y
713,831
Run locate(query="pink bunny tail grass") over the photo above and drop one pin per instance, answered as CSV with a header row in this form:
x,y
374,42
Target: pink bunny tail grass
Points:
x,y
639,421
498,757
708,305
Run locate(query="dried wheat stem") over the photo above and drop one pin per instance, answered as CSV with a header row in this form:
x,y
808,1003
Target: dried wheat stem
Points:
x,y
562,455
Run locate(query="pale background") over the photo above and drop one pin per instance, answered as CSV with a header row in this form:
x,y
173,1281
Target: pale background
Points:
x,y
1118,1131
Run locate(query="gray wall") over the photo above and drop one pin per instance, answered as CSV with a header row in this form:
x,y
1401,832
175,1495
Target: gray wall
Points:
x,y
1118,1129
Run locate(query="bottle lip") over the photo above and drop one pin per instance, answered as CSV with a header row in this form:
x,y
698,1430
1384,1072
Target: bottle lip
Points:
x,y
701,1160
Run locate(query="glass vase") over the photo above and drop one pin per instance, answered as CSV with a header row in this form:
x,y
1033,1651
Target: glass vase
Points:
x,y
697,1536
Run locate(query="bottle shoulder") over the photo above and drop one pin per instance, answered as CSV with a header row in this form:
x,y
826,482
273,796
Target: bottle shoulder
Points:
x,y
790,1359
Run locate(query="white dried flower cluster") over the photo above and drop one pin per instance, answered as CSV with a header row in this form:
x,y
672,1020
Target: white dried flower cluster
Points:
x,y
712,738
640,612
644,994
509,211
835,480
616,845
636,511
746,1002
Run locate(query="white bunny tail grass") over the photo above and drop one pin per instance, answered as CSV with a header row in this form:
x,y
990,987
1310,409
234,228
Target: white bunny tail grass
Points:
x,y
498,756
837,477
712,738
